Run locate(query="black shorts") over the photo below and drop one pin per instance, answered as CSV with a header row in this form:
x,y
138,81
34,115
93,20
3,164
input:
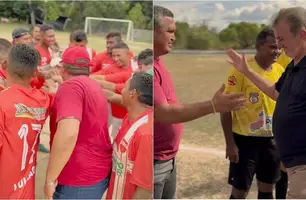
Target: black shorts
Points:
x,y
257,155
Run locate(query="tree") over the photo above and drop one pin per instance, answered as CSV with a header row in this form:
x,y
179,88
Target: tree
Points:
x,y
136,15
243,34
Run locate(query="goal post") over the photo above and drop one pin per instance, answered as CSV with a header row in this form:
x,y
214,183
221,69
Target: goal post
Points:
x,y
102,26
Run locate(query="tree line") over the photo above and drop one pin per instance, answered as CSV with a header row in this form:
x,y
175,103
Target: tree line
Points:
x,y
201,37
140,12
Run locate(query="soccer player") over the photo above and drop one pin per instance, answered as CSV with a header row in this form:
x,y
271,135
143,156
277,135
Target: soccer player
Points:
x,y
132,172
21,36
35,33
47,35
81,150
120,54
79,38
23,111
250,145
105,58
169,113
5,47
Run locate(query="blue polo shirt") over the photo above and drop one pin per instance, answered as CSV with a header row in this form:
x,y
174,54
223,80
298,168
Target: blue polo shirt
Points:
x,y
289,119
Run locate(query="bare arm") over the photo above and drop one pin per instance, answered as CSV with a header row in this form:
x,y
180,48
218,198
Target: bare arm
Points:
x,y
265,86
62,148
142,193
176,113
113,97
226,122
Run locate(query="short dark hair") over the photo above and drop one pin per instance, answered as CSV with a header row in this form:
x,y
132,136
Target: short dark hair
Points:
x,y
78,36
145,57
121,45
114,34
143,84
5,47
23,61
76,70
264,34
160,12
44,28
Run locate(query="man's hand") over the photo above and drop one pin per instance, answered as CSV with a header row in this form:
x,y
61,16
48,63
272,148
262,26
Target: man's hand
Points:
x,y
50,86
238,61
227,102
232,153
97,77
49,189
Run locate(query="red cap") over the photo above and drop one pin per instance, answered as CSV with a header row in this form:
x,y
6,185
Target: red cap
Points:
x,y
77,56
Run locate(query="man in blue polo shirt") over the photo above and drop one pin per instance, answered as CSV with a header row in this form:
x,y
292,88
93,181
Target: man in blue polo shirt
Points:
x,y
289,92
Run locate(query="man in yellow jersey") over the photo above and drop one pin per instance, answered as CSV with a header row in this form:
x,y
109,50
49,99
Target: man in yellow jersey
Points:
x,y
250,145
283,59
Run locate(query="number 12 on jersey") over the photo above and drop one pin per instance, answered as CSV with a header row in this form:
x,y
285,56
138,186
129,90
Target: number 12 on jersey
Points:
x,y
23,134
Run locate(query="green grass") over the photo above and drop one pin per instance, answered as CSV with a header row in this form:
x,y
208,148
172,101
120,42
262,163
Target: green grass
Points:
x,y
97,43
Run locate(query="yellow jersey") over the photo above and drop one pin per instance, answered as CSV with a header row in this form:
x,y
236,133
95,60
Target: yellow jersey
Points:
x,y
255,118
283,59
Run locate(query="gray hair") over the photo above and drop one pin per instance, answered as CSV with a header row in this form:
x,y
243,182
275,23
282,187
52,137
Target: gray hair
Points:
x,y
295,16
160,12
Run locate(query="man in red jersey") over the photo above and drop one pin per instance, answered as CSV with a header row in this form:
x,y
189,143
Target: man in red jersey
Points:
x,y
105,59
21,36
169,113
120,54
81,151
79,38
132,171
23,111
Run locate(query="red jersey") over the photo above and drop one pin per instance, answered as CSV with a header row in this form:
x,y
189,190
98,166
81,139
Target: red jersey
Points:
x,y
23,112
103,60
35,82
117,111
81,98
132,157
45,60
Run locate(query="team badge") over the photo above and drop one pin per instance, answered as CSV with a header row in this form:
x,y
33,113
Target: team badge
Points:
x,y
253,98
232,80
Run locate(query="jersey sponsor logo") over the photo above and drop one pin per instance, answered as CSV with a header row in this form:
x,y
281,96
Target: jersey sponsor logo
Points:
x,y
253,97
232,80
263,122
32,113
118,166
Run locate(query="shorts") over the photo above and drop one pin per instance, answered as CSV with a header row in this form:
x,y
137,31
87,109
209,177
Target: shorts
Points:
x,y
257,155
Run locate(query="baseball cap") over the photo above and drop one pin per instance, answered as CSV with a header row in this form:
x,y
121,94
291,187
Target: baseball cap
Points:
x,y
19,32
77,56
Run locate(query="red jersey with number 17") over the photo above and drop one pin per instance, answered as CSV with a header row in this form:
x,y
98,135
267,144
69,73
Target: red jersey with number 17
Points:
x,y
23,112
132,158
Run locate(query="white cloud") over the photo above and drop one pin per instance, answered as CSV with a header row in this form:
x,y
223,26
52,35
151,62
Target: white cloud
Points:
x,y
220,14
220,6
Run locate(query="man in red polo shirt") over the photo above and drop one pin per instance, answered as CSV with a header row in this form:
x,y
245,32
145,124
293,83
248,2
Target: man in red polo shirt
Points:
x,y
169,114
23,111
81,150
132,172
105,58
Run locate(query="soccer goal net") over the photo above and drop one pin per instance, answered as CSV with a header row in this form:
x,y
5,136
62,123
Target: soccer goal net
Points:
x,y
102,26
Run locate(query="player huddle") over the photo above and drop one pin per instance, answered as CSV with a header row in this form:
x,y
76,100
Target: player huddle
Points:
x,y
89,97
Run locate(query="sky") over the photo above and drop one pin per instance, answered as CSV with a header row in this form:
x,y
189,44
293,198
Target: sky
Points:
x,y
221,13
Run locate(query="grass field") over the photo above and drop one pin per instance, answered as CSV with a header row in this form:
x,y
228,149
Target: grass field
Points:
x,y
97,43
202,169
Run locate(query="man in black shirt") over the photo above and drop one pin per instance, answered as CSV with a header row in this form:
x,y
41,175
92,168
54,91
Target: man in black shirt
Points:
x,y
289,119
